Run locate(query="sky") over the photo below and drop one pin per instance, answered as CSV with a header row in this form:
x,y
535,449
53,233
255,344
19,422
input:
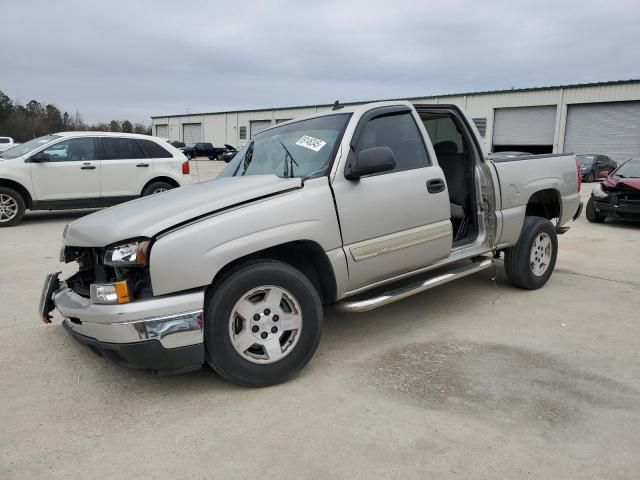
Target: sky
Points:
x,y
134,59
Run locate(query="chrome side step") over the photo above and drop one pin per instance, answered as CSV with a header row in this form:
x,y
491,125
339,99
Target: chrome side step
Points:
x,y
478,264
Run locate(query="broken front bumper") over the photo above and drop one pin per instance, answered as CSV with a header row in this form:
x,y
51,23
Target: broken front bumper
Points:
x,y
159,334
616,207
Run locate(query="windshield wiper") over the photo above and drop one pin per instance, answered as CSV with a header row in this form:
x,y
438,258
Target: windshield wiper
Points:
x,y
286,165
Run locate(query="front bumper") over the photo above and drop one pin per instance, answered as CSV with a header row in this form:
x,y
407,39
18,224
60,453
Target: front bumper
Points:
x,y
618,208
160,334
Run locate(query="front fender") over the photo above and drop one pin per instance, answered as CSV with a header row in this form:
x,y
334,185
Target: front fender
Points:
x,y
191,256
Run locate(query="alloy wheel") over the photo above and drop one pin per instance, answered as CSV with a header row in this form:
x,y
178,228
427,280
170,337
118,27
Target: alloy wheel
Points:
x,y
8,208
265,324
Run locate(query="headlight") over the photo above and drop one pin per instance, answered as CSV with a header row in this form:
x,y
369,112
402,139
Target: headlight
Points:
x,y
598,192
109,293
133,254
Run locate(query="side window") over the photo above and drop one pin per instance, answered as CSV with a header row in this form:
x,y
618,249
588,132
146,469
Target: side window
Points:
x,y
154,150
400,133
448,141
74,149
114,148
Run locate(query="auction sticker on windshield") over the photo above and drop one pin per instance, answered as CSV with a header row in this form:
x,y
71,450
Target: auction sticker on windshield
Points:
x,y
311,143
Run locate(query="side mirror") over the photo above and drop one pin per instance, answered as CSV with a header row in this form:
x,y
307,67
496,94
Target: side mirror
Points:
x,y
40,157
370,161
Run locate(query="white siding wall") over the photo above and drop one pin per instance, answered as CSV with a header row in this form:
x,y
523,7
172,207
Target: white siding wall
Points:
x,y
224,127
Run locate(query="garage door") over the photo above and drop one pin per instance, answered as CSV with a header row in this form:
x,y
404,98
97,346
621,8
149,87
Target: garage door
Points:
x,y
162,131
259,125
609,128
524,125
192,132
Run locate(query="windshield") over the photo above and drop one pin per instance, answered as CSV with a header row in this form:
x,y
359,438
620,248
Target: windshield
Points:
x,y
630,169
585,160
299,149
29,146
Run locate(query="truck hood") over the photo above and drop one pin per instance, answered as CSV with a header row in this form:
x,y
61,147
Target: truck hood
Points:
x,y
148,216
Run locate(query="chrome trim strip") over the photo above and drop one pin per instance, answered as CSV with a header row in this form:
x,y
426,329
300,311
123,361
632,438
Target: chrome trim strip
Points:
x,y
399,293
400,240
176,330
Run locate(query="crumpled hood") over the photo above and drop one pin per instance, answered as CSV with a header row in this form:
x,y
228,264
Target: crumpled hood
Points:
x,y
615,181
147,216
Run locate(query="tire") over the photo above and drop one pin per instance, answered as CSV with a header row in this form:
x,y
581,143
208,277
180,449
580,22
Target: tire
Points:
x,y
156,187
226,332
219,157
588,178
522,270
12,207
212,158
592,215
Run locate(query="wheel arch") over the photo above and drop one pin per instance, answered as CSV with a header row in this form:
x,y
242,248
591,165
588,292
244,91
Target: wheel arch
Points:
x,y
544,203
169,180
305,255
18,187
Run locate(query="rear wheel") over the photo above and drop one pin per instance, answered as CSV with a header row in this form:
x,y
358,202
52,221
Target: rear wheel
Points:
x,y
156,187
592,215
262,324
530,263
12,207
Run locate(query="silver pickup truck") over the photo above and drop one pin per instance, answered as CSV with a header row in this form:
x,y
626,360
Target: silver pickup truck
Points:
x,y
352,209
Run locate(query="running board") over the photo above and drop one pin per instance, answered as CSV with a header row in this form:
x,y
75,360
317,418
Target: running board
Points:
x,y
478,264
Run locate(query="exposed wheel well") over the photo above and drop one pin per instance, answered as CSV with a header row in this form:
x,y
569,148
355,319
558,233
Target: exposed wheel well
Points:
x,y
305,255
545,203
18,188
169,180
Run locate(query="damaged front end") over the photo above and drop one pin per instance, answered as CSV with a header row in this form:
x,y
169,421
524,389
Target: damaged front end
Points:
x,y
111,275
617,200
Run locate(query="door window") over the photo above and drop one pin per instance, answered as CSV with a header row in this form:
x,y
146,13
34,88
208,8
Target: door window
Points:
x,y
121,148
75,149
400,133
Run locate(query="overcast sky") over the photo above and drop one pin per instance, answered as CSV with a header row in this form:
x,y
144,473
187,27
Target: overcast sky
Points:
x,y
133,59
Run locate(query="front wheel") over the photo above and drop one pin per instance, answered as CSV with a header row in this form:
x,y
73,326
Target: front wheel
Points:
x,y
591,213
530,262
12,207
262,324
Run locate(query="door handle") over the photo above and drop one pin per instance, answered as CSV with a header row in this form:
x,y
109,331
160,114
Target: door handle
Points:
x,y
88,167
141,165
435,186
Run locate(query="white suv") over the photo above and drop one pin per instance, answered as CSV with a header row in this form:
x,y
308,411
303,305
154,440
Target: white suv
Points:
x,y
86,170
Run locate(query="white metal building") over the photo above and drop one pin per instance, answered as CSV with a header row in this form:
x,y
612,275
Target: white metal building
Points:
x,y
585,118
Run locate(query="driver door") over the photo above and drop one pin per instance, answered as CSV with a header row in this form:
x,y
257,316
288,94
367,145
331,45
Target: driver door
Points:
x,y
397,221
69,171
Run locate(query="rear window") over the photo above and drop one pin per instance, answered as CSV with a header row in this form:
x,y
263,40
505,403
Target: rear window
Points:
x,y
121,149
154,150
4,140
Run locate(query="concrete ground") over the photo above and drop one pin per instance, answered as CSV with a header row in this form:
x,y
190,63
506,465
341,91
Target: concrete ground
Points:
x,y
474,379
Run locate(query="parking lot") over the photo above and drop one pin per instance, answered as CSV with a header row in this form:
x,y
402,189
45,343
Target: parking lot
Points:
x,y
475,379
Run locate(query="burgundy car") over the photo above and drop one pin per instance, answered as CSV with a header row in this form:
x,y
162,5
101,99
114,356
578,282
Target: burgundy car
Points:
x,y
618,196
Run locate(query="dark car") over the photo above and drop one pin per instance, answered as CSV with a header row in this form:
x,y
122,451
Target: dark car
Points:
x,y
177,144
204,149
618,196
595,166
229,154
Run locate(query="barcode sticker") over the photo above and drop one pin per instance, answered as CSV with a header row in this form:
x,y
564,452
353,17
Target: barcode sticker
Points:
x,y
311,143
